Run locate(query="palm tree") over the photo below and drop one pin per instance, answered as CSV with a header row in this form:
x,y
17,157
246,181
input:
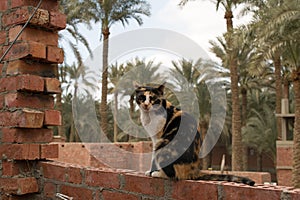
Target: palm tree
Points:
x,y
232,64
72,38
261,18
258,133
253,70
77,76
115,74
283,30
192,77
110,12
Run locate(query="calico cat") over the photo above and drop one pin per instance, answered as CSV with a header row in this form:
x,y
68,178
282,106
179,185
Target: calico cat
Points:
x,y
176,139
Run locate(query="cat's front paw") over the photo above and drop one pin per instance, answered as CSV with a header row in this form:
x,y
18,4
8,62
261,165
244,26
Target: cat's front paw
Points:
x,y
158,174
148,173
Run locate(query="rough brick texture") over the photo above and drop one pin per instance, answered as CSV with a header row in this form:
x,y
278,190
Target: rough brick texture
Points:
x,y
27,83
52,85
21,67
51,5
284,162
22,118
36,35
92,183
52,118
28,151
28,135
43,18
19,186
30,49
25,100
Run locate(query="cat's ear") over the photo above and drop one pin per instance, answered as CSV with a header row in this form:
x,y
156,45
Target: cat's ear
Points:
x,y
161,88
136,85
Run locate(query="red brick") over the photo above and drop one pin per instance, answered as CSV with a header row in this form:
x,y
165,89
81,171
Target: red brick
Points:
x,y
117,195
52,85
3,36
52,118
56,171
183,189
77,192
30,83
26,49
49,151
284,177
20,151
35,35
285,156
34,68
55,54
75,175
49,190
10,168
25,135
14,168
47,5
294,194
41,18
102,178
23,100
19,186
144,185
238,191
20,16
3,5
2,101
44,18
58,20
22,118
1,68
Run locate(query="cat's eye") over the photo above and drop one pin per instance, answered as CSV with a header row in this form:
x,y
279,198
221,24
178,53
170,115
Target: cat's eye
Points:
x,y
141,98
153,98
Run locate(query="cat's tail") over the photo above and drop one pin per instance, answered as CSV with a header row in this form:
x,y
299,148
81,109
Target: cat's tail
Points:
x,y
226,177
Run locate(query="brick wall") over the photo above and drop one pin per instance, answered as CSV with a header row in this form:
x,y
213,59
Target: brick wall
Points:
x,y
284,162
27,85
94,183
134,156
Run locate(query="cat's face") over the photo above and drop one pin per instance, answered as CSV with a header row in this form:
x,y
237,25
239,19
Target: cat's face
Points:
x,y
148,98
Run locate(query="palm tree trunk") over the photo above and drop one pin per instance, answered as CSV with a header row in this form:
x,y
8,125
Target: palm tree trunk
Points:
x,y
278,85
206,162
228,16
244,119
296,156
286,89
237,146
115,117
103,105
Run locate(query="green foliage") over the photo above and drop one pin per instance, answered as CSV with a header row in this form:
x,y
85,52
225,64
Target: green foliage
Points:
x,y
260,130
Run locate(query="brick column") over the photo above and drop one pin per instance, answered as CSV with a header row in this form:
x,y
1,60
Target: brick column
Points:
x,y
27,85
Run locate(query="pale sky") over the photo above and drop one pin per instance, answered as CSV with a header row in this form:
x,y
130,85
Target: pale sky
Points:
x,y
198,20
